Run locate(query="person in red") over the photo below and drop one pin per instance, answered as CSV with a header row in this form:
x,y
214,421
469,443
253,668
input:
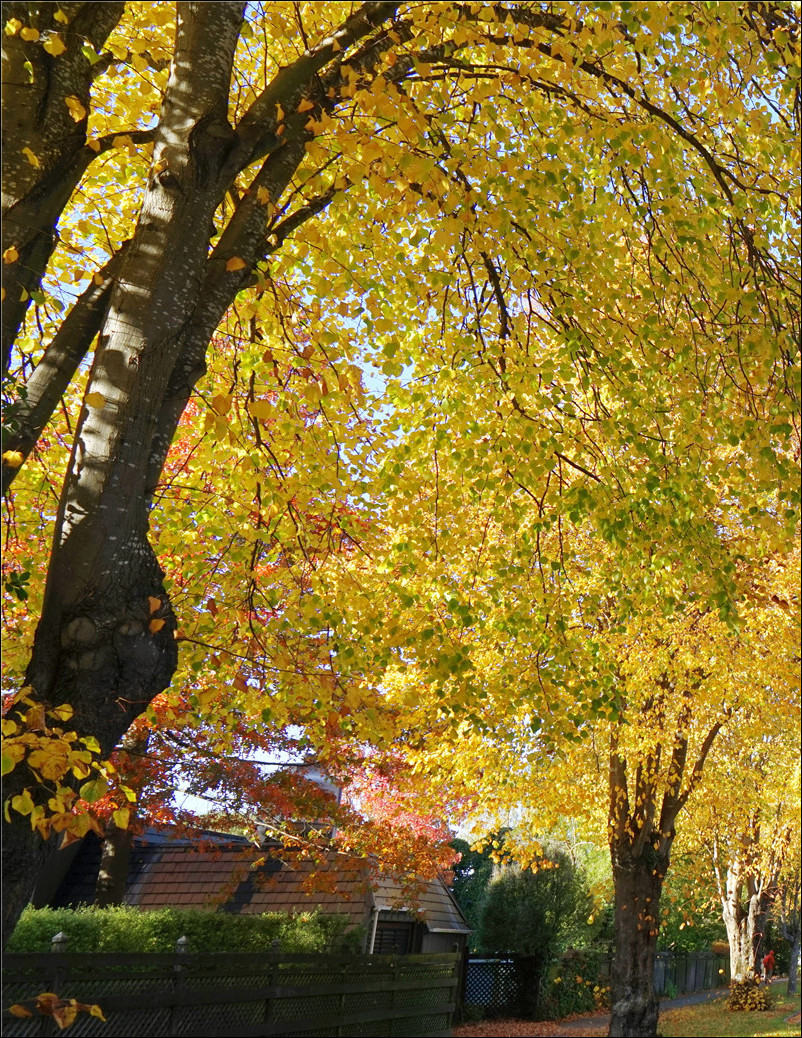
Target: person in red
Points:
x,y
768,966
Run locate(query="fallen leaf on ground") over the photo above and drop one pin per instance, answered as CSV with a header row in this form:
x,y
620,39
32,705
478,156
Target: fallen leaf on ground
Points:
x,y
525,1029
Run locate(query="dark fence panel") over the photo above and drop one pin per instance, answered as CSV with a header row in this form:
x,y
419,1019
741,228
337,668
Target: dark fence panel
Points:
x,y
248,995
697,971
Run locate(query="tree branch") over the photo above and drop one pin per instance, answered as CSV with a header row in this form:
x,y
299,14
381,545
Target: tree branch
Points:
x,y
54,372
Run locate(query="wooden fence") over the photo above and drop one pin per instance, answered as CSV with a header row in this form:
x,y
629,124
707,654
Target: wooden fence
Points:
x,y
242,994
496,984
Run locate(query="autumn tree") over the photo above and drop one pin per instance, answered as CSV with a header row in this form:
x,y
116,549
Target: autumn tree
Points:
x,y
591,208
661,685
750,835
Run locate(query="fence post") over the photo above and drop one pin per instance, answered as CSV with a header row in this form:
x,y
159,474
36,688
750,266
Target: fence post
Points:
x,y
58,943
462,982
181,948
275,950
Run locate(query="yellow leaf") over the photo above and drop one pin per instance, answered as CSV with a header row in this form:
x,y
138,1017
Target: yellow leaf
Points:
x,y
94,789
64,1016
35,718
29,155
154,603
60,16
29,33
261,409
306,105
95,399
18,1010
262,195
62,713
13,459
13,26
94,145
236,263
221,404
54,45
10,255
156,625
23,802
75,108
121,817
95,1010
279,113
97,279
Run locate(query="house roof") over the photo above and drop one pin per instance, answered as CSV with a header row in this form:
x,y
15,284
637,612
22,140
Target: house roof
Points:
x,y
219,872
435,904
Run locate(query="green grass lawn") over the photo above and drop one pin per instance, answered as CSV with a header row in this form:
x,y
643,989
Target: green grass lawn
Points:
x,y
711,1019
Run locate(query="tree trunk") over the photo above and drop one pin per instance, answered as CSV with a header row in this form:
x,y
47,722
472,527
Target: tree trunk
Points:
x,y
638,879
115,852
791,926
745,920
105,644
115,859
793,967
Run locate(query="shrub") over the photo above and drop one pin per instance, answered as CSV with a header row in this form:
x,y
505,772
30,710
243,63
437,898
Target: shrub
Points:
x,y
128,929
748,997
575,985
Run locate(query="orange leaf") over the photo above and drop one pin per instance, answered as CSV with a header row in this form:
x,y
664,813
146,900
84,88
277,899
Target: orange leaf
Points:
x,y
156,625
306,105
18,1010
236,263
154,603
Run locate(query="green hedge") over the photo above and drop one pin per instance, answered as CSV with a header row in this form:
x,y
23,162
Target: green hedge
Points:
x,y
127,929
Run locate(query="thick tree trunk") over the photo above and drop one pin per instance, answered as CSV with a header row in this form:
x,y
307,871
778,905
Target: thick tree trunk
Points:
x,y
638,884
105,644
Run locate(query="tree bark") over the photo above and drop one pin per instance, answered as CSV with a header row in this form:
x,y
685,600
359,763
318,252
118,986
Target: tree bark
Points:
x,y
642,832
105,642
746,889
745,920
638,885
115,860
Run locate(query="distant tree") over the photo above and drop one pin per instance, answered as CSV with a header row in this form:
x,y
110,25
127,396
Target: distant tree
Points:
x,y
790,921
531,912
472,876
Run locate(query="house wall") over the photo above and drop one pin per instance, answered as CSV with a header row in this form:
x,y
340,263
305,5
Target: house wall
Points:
x,y
442,942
